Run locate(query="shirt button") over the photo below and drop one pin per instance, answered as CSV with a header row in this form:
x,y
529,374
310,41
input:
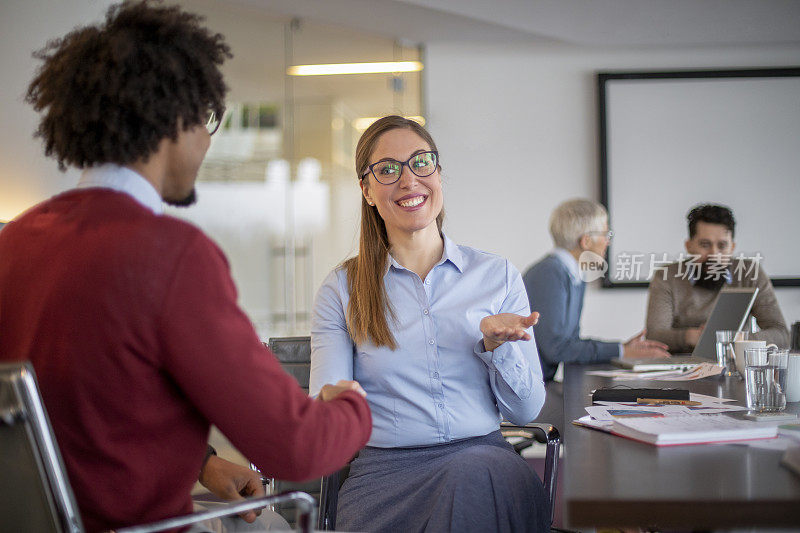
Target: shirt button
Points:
x,y
424,311
427,282
435,375
431,342
441,406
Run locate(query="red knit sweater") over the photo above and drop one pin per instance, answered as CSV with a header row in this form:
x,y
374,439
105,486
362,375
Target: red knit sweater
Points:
x,y
131,322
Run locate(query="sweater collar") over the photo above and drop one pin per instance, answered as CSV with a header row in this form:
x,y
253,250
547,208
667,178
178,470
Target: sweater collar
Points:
x,y
725,274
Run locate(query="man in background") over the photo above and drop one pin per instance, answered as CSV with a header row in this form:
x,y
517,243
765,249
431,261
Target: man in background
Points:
x,y
129,316
556,287
682,295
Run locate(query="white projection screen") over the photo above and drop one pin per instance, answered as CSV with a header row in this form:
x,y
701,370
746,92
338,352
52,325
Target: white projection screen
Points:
x,y
672,140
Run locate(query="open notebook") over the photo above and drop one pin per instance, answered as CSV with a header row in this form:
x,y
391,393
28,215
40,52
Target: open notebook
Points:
x,y
729,313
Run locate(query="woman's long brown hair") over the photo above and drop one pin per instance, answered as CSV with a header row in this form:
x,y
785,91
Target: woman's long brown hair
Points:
x,y
369,310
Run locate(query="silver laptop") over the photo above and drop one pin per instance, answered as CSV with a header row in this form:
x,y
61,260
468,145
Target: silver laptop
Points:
x,y
730,313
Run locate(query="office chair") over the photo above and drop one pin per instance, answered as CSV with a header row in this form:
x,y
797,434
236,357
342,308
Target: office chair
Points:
x,y
294,354
35,494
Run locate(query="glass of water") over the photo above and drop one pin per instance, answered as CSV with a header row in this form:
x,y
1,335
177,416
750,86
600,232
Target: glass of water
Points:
x,y
725,355
765,378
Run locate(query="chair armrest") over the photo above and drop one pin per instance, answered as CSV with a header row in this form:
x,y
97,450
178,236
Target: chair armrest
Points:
x,y
546,434
306,511
541,432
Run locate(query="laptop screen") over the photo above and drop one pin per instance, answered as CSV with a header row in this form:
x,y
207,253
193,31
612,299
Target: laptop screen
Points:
x,y
729,313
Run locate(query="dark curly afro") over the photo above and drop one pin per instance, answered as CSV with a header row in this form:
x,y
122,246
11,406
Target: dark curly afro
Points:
x,y
711,214
111,92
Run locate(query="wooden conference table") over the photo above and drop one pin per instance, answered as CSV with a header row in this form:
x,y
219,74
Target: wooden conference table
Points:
x,y
613,481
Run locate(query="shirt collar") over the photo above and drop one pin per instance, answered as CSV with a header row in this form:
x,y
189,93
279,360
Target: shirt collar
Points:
x,y
123,179
569,261
451,253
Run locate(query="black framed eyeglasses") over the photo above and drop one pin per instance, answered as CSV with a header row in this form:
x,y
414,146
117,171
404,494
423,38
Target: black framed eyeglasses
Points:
x,y
388,171
213,121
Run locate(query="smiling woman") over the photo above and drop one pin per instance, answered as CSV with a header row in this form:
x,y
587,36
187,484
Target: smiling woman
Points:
x,y
438,335
367,312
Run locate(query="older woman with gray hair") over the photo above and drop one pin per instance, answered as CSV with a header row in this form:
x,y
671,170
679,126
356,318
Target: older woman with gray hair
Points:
x,y
556,285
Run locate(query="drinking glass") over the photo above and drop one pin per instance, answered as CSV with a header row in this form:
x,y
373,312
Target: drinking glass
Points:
x,y
765,378
793,377
725,355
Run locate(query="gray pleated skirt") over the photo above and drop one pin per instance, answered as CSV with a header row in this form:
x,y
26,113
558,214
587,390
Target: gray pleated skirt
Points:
x,y
472,485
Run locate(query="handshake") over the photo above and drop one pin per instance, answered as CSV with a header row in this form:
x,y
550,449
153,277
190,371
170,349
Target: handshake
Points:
x,y
329,392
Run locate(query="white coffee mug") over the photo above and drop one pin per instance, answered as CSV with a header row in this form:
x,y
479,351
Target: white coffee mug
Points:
x,y
793,378
739,348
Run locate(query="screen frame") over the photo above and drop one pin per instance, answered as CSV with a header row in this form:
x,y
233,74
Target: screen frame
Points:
x,y
602,80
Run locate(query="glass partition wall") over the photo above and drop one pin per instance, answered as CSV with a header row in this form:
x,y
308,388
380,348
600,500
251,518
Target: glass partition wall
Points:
x,y
278,190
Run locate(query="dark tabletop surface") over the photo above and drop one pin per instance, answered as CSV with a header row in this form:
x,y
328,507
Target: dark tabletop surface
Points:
x,y
613,481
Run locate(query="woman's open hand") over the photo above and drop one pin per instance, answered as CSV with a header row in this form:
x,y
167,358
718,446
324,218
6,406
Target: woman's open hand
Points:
x,y
503,327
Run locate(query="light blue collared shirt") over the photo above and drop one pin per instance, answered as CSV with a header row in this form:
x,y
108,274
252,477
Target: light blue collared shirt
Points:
x,y
439,385
123,179
571,263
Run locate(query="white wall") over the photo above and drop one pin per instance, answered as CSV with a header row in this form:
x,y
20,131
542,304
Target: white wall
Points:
x,y
517,129
26,176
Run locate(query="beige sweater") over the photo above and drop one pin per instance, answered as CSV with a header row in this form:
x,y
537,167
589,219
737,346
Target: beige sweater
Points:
x,y
674,305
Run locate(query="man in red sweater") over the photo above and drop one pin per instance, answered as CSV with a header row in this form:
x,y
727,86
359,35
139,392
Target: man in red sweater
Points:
x,y
129,316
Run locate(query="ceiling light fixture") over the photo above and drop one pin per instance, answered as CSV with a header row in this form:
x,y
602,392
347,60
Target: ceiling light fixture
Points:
x,y
354,68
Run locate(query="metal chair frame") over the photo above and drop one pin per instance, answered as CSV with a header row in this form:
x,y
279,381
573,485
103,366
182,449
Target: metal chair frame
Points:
x,y
21,407
306,513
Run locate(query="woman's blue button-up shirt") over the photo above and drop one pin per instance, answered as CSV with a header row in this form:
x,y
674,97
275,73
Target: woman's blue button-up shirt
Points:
x,y
439,385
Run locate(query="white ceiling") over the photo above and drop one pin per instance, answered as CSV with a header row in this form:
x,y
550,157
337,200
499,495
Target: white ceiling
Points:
x,y
367,30
611,23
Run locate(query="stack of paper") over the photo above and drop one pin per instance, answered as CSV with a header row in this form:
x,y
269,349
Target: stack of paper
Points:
x,y
693,429
699,404
694,422
692,372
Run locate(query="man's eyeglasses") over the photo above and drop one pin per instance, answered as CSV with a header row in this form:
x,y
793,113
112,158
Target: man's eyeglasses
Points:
x,y
387,171
607,234
213,122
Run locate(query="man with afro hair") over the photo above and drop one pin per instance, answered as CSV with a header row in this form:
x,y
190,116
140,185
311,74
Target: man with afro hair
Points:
x,y
128,315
